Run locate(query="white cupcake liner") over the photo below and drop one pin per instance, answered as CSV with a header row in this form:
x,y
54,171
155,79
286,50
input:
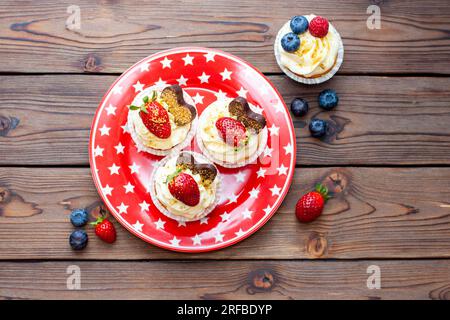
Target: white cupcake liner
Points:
x,y
174,149
247,161
164,210
325,77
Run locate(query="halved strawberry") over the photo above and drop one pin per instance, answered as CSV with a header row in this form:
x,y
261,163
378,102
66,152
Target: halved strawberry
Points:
x,y
183,187
156,119
232,131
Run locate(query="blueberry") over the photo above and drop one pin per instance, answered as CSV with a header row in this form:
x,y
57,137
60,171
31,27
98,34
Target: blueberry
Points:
x,y
78,239
290,42
79,217
328,99
318,128
299,107
299,24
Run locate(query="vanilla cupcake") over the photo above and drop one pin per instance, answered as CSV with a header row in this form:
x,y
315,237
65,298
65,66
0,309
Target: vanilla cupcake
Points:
x,y
232,133
162,121
309,49
185,187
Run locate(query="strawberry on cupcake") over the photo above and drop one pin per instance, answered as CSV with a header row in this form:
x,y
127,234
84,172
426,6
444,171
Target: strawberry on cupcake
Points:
x,y
160,121
232,132
185,187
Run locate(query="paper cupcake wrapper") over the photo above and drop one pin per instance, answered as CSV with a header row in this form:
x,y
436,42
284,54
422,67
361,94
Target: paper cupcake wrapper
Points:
x,y
159,152
325,77
164,210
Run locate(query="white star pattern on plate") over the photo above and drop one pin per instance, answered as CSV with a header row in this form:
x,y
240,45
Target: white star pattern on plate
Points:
x,y
261,173
268,152
144,206
160,224
242,92
240,233
125,128
254,193
114,169
219,237
175,242
221,95
275,190
98,151
226,74
117,89
129,188
160,83
225,216
166,63
198,99
134,168
204,78
119,148
138,226
288,149
138,87
107,190
188,60
182,80
210,56
145,66
274,130
267,209
278,107
247,214
111,110
104,131
181,224
282,170
240,176
197,241
204,220
122,208
232,198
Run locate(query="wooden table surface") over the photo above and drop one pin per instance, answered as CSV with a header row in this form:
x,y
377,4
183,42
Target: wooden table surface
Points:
x,y
387,158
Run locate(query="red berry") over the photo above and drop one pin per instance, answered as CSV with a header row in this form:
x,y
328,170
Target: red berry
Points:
x,y
318,27
310,206
183,187
231,130
156,120
105,230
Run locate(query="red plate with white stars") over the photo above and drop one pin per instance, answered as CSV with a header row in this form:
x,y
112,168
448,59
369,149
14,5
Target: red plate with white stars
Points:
x,y
250,194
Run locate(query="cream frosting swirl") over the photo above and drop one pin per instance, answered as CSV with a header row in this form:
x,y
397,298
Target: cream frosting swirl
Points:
x,y
148,139
176,207
315,56
215,146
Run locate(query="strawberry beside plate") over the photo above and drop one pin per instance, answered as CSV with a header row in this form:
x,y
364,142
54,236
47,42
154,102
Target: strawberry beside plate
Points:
x,y
250,195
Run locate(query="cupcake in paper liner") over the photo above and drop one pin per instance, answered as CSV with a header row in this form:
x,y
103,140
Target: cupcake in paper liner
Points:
x,y
185,187
162,121
232,133
309,49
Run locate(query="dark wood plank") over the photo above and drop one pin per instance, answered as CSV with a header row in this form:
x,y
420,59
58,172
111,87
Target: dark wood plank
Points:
x,y
227,280
375,213
45,120
114,35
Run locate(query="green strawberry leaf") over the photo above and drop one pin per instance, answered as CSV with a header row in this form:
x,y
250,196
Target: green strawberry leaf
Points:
x,y
173,175
145,99
154,96
132,107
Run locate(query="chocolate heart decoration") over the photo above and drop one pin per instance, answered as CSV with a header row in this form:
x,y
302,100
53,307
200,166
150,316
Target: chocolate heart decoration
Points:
x,y
183,112
207,171
251,120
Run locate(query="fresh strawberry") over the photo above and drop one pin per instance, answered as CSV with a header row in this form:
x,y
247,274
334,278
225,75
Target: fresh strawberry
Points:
x,y
104,229
232,131
183,187
156,119
318,27
310,206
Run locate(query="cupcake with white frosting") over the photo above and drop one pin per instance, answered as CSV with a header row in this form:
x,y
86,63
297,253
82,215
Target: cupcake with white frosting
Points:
x,y
185,187
309,49
232,132
162,121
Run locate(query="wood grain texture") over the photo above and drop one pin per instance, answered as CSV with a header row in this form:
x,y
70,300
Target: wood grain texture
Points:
x,y
375,213
254,280
45,120
114,35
